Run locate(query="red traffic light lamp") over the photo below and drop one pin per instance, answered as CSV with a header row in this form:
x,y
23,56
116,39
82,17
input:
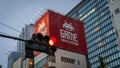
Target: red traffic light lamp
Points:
x,y
52,41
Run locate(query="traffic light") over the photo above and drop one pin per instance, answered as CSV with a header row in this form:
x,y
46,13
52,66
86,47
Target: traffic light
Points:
x,y
28,52
50,43
40,43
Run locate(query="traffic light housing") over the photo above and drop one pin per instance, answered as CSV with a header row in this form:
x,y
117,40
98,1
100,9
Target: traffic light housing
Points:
x,y
28,52
49,42
40,43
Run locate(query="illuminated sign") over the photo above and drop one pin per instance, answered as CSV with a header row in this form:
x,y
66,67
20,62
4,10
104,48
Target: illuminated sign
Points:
x,y
42,28
68,32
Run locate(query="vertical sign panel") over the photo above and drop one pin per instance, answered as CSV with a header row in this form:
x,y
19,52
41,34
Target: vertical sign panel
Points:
x,y
42,26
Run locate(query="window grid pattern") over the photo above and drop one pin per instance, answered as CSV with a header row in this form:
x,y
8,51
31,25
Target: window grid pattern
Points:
x,y
100,34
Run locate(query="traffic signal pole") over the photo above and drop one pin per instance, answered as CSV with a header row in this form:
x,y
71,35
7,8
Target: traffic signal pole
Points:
x,y
31,45
30,60
15,38
35,45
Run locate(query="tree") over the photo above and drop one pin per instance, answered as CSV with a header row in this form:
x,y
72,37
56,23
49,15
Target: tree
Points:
x,y
102,64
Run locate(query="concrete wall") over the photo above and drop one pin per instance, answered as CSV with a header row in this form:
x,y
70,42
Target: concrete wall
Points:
x,y
65,59
115,7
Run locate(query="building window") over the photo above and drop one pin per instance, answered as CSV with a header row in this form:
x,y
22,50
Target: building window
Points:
x,y
78,62
68,60
117,11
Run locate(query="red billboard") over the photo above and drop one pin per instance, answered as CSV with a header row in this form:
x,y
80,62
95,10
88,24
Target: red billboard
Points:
x,y
69,33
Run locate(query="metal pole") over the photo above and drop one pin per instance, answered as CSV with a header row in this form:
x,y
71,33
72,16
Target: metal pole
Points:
x,y
15,38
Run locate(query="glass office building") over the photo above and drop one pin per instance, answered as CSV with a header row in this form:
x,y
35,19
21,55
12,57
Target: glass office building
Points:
x,y
100,33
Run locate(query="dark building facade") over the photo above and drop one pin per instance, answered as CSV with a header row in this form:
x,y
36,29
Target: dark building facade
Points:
x,y
0,66
100,32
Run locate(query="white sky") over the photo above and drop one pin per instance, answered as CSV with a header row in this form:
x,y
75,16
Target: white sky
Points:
x,y
17,13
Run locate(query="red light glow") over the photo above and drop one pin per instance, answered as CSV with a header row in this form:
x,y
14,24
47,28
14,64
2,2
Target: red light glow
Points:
x,y
52,41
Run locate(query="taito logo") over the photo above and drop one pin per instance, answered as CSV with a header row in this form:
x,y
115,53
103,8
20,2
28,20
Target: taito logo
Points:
x,y
67,34
67,26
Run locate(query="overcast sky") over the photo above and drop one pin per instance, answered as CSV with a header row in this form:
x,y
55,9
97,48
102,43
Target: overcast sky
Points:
x,y
17,13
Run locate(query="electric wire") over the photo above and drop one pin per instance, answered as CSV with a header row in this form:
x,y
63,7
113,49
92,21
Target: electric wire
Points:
x,y
3,33
10,27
